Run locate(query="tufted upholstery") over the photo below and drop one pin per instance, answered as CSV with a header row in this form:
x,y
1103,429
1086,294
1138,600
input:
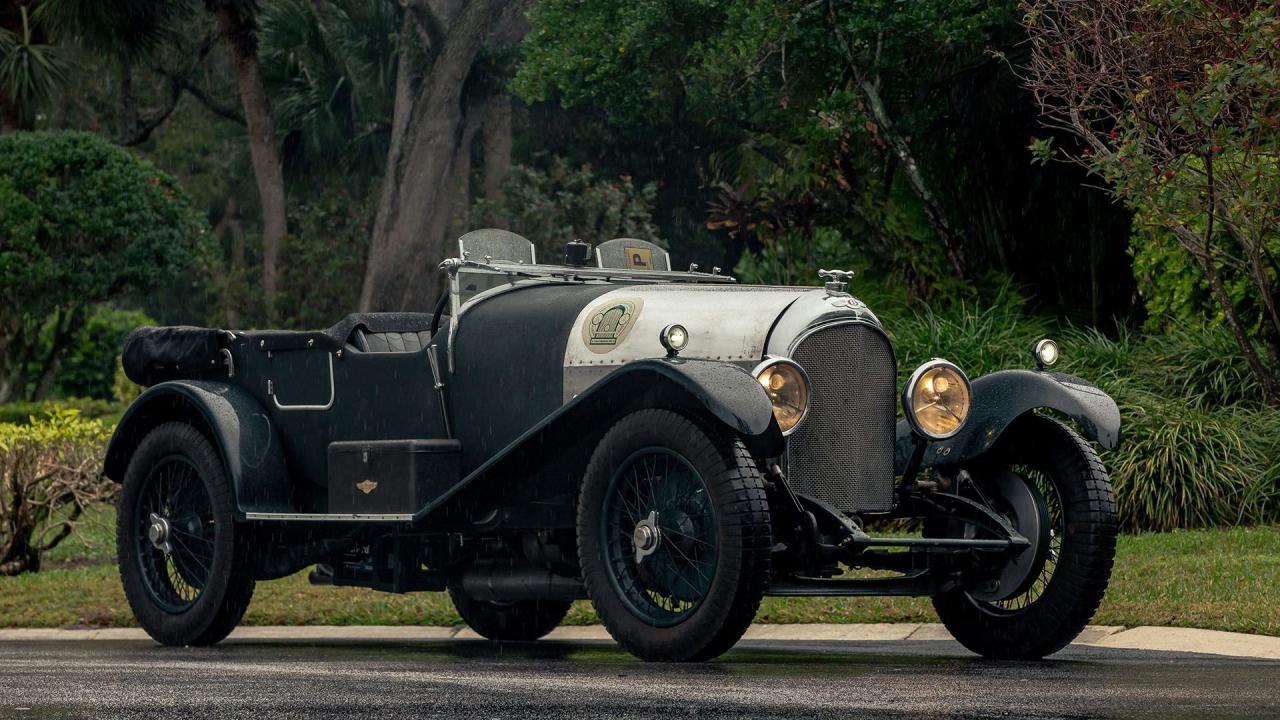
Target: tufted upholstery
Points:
x,y
382,342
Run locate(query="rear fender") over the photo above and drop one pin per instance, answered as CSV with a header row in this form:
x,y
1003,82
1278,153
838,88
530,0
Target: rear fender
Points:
x,y
999,399
230,418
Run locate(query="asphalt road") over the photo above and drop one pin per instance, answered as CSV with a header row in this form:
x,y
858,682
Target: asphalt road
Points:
x,y
473,679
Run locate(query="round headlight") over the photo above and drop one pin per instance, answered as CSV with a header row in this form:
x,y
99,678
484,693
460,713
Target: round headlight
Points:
x,y
1046,353
936,399
788,389
674,338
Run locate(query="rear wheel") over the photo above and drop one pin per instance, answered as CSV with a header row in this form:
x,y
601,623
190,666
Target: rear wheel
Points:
x,y
517,620
673,536
1051,486
184,576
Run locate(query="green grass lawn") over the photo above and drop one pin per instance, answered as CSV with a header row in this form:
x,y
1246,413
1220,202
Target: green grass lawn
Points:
x,y
1219,579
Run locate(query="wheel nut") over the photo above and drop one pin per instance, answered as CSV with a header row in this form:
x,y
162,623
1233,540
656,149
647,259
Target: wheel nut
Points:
x,y
643,537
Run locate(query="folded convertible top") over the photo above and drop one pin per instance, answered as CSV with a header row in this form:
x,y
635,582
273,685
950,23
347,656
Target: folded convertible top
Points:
x,y
156,354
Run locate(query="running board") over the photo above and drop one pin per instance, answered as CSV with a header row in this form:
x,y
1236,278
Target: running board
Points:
x,y
331,517
915,584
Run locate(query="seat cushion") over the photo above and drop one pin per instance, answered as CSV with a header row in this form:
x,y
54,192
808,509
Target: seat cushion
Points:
x,y
382,342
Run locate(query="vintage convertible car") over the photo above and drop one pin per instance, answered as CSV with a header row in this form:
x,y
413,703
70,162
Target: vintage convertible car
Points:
x,y
670,445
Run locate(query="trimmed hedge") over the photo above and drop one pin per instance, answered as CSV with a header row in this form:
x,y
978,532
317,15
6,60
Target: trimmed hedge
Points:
x,y
23,413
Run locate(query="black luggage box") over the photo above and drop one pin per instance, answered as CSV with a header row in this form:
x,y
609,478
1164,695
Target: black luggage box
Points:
x,y
390,476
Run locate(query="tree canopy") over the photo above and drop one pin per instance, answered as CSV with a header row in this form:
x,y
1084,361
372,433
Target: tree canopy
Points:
x,y
82,221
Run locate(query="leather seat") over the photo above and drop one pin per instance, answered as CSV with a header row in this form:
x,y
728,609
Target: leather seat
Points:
x,y
382,342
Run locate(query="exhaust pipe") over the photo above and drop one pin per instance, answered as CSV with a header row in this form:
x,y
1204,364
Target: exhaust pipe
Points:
x,y
503,581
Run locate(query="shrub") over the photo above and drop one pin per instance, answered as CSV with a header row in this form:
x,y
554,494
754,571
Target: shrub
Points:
x,y
89,368
980,337
1182,466
123,389
322,270
1200,364
50,471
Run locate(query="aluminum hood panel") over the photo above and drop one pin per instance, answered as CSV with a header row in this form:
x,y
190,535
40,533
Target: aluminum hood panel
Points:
x,y
729,323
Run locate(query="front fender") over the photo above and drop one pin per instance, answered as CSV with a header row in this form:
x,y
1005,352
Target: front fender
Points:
x,y
720,390
1000,398
717,391
231,418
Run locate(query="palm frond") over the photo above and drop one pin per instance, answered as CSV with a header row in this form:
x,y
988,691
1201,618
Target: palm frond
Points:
x,y
30,71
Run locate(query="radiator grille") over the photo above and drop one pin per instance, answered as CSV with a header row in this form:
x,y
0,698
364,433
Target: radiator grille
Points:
x,y
843,451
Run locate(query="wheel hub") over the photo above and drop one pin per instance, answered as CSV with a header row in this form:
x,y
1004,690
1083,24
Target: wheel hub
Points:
x,y
646,537
158,533
1024,507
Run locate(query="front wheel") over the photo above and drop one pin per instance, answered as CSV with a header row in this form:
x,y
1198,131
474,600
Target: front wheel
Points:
x,y
1049,483
673,536
176,538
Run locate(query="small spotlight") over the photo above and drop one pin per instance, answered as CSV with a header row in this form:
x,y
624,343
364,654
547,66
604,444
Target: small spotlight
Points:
x,y
674,338
1045,353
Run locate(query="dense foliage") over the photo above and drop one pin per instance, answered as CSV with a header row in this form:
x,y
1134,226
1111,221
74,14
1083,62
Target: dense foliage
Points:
x,y
1176,105
892,133
91,363
564,203
82,222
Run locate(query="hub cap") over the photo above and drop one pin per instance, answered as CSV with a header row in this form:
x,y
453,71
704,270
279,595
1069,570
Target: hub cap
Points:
x,y
647,537
158,534
1029,500
1021,503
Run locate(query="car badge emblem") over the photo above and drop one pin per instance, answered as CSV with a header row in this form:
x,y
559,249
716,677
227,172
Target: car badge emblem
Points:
x,y
608,324
366,486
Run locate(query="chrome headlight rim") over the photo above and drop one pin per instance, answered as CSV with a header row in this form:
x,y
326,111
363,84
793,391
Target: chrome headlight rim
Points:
x,y
808,386
908,398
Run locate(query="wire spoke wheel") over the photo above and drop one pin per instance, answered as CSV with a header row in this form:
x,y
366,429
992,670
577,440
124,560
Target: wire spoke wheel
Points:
x,y
674,536
183,561
659,527
1050,485
175,534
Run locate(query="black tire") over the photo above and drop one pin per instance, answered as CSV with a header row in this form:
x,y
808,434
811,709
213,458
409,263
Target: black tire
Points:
x,y
1055,608
516,621
198,600
740,531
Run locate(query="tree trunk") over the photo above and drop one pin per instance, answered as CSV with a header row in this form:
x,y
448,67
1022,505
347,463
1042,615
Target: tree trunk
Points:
x,y
473,116
66,324
9,120
497,148
263,150
408,239
18,346
1203,255
932,210
230,225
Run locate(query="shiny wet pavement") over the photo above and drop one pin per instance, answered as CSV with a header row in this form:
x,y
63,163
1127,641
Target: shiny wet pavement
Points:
x,y
473,679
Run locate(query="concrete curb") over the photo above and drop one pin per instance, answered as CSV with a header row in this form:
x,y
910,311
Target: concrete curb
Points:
x,y
1164,639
